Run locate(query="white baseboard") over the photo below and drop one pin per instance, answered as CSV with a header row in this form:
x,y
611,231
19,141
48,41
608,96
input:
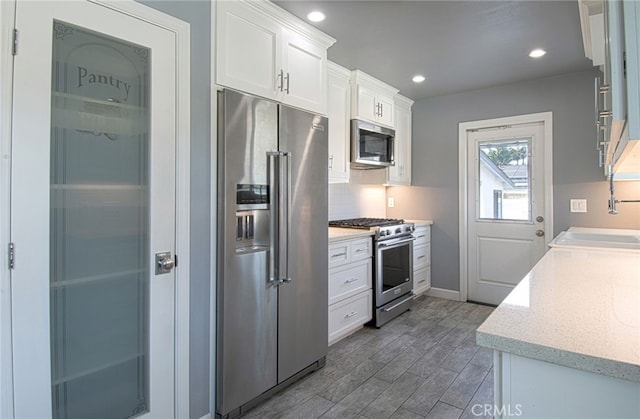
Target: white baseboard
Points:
x,y
444,293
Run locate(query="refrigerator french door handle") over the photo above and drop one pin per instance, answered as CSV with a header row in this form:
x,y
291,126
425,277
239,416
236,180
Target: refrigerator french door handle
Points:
x,y
279,169
273,173
285,216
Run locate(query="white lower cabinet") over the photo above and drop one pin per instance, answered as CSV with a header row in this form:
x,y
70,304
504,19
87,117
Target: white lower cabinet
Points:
x,y
422,259
350,280
421,280
349,315
530,388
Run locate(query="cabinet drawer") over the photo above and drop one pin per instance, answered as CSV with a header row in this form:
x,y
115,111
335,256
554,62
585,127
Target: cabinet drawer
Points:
x,y
349,315
348,251
421,256
360,249
421,280
422,235
349,280
338,254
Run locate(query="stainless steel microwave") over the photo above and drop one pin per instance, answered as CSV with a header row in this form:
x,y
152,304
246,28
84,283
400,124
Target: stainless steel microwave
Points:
x,y
371,145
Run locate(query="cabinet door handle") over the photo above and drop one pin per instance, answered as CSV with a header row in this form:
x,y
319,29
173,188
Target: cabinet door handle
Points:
x,y
353,313
336,255
420,236
360,250
350,280
288,78
421,257
421,281
331,161
281,78
381,110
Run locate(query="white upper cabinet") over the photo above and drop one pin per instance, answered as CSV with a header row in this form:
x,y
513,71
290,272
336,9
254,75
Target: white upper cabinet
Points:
x,y
304,66
263,50
400,173
339,132
627,155
247,49
372,100
613,27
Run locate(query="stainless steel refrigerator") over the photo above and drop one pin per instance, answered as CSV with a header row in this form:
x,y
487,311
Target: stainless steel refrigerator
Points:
x,y
272,292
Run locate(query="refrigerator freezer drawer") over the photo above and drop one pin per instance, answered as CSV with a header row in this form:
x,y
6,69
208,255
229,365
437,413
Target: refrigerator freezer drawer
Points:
x,y
349,315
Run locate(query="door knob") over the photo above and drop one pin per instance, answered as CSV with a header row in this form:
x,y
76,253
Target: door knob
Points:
x,y
539,218
539,233
164,263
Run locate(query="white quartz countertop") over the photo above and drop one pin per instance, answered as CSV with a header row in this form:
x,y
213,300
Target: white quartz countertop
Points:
x,y
577,307
337,234
419,223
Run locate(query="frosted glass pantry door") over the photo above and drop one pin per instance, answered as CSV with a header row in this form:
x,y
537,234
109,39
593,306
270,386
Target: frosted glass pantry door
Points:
x,y
93,202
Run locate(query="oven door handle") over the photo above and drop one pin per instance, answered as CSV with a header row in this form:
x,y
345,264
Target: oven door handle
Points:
x,y
395,242
409,297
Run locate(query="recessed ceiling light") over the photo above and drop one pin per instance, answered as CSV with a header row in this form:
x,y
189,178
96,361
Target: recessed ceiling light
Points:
x,y
418,78
537,53
316,16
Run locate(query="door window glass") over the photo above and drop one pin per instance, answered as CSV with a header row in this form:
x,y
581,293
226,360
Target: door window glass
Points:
x,y
504,187
99,234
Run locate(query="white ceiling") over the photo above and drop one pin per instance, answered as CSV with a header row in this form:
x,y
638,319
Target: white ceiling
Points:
x,y
457,45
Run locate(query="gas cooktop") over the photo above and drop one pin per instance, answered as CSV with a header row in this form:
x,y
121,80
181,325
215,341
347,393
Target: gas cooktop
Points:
x,y
365,223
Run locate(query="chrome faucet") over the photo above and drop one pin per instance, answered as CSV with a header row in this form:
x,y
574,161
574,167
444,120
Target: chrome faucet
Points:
x,y
613,201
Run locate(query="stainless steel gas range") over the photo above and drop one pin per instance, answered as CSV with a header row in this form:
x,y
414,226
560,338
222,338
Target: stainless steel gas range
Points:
x,y
393,262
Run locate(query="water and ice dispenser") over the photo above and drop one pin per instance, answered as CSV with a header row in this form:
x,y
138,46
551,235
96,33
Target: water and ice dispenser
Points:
x,y
252,218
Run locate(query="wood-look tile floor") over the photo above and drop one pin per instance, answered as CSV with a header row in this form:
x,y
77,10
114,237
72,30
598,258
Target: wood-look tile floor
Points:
x,y
423,364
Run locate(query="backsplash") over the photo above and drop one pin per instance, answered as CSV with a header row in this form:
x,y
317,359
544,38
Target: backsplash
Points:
x,y
350,200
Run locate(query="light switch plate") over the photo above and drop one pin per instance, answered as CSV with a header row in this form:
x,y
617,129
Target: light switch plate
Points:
x,y
391,202
578,205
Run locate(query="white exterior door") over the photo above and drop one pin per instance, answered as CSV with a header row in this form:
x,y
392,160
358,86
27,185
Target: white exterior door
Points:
x,y
92,203
505,208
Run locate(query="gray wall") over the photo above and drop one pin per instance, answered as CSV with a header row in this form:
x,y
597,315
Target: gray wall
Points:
x,y
198,15
575,170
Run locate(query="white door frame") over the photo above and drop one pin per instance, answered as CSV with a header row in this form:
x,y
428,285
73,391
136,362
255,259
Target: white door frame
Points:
x,y
7,15
546,118
181,30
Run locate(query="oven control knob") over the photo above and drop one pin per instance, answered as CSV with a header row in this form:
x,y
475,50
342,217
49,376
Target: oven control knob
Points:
x,y
382,233
398,230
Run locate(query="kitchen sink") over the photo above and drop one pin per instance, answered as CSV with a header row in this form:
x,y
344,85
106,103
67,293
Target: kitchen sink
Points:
x,y
598,238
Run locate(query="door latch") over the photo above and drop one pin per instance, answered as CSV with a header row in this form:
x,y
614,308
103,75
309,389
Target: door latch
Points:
x,y
164,263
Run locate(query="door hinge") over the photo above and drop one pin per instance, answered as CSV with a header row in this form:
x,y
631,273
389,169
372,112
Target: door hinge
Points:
x,y
14,46
12,255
